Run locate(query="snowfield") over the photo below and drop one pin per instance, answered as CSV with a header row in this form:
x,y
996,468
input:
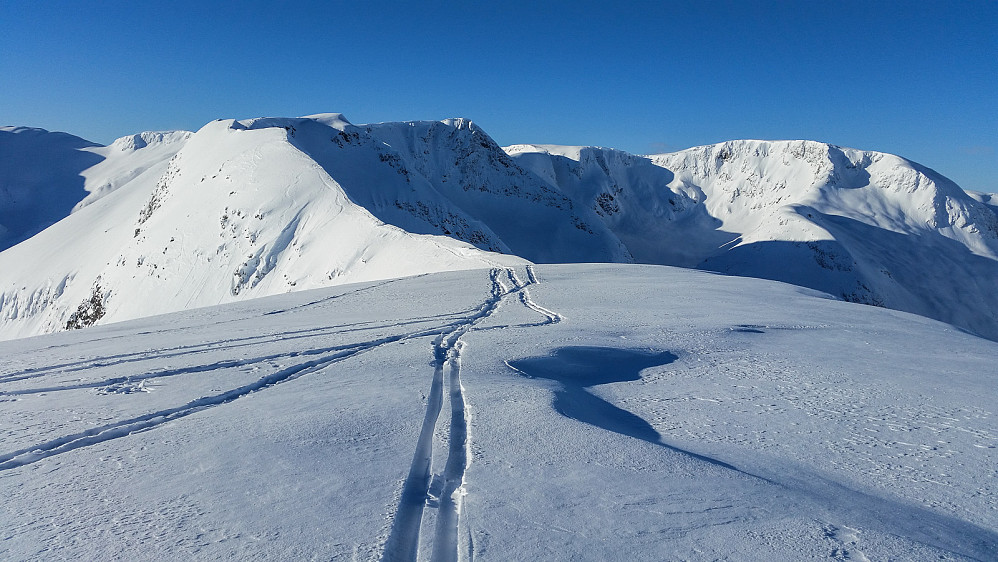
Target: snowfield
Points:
x,y
558,412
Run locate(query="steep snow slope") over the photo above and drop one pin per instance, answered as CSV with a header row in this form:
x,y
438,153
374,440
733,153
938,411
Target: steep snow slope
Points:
x,y
144,155
449,177
865,226
44,176
237,212
571,412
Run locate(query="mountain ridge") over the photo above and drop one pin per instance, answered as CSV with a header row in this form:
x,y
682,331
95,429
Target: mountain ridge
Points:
x,y
803,212
250,207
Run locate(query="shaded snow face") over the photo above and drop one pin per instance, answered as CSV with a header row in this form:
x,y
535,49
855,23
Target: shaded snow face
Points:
x,y
866,227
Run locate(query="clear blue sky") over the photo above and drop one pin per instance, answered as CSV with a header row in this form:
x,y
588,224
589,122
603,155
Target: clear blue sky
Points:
x,y
919,79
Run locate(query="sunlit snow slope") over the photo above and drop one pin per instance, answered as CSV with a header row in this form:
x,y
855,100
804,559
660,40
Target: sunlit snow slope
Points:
x,y
563,412
240,209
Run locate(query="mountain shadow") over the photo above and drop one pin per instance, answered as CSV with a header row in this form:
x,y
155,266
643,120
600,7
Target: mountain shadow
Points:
x,y
40,180
872,265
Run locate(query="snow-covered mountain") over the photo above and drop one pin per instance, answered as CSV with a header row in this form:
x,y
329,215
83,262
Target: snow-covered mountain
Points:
x,y
500,410
234,211
864,226
242,209
40,179
44,176
559,412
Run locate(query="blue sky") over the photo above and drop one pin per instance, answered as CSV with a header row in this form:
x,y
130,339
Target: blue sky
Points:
x,y
918,79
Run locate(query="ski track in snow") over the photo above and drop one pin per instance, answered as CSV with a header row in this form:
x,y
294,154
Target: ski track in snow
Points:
x,y
187,350
112,360
327,356
552,317
408,529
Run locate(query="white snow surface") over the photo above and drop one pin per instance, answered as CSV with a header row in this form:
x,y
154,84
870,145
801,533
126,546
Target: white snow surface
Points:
x,y
559,412
245,208
44,176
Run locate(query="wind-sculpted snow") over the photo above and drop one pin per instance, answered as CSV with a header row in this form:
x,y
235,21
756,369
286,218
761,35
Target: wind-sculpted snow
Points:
x,y
448,417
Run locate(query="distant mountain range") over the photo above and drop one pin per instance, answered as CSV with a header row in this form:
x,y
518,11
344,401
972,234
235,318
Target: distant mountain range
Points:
x,y
161,222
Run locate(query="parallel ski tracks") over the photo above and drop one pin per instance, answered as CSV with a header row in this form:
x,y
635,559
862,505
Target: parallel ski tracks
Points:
x,y
122,428
322,358
408,531
408,527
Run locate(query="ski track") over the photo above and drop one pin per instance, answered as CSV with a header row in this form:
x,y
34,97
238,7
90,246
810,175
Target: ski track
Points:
x,y
187,328
551,316
122,428
407,533
213,347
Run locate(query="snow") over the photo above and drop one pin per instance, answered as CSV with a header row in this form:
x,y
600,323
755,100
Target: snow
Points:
x,y
232,212
988,199
555,412
141,157
321,340
44,176
864,226
39,179
167,221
